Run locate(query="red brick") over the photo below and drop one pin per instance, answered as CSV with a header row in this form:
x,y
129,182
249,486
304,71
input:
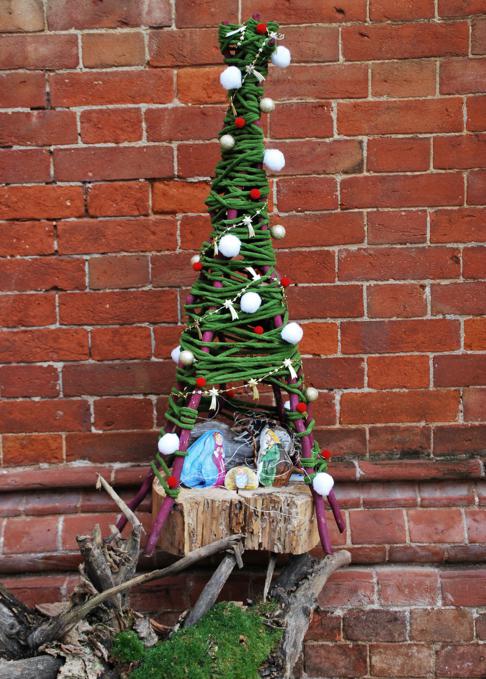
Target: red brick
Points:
x,y
28,380
473,262
38,202
375,625
38,128
398,372
398,116
315,266
330,301
166,338
111,125
459,8
474,403
476,113
396,227
409,470
385,495
313,43
17,417
324,626
398,263
343,660
445,624
41,51
26,534
65,14
25,449
59,344
476,525
388,301
118,272
458,225
464,587
27,310
456,439
460,151
350,587
408,586
113,49
322,156
197,160
388,10
26,238
461,76
103,308
123,413
328,81
335,373
377,526
395,155
46,273
172,270
384,337
475,333
200,85
75,525
319,339
124,342
22,90
113,163
24,15
321,229
476,187
467,661
403,78
297,194
399,440
118,198
315,120
110,446
105,379
401,660
308,11
410,406
117,235
446,494
402,190
459,298
343,441
436,525
193,230
184,47
25,165
180,123
206,13
178,196
481,627
116,87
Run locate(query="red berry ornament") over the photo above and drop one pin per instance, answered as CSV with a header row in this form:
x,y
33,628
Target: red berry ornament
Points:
x,y
285,281
301,407
259,329
172,482
230,393
255,194
326,454
200,381
197,266
240,121
261,29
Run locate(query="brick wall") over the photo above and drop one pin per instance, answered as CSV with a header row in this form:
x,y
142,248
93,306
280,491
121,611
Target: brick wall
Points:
x,y
110,109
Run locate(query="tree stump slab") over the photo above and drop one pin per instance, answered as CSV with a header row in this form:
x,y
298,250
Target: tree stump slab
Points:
x,y
279,520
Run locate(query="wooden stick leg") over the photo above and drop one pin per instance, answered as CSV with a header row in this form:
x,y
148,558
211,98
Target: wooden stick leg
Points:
x,y
331,498
142,493
321,523
268,578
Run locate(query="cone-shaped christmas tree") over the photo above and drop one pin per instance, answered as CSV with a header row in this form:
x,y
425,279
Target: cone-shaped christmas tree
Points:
x,y
238,336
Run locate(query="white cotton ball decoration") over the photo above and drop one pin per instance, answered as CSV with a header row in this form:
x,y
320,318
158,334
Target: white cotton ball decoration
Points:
x,y
227,141
267,105
229,245
250,302
292,333
323,483
230,78
281,57
175,354
287,405
274,160
168,444
278,231
195,258
186,357
311,394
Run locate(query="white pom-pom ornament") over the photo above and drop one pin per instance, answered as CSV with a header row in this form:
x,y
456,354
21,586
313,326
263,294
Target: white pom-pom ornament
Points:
x,y
311,394
230,78
267,105
274,160
281,57
229,245
287,405
168,444
323,483
227,141
250,302
175,354
278,231
195,258
186,357
292,333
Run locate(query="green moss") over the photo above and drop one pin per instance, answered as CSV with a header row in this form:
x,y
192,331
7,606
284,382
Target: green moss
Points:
x,y
127,647
228,643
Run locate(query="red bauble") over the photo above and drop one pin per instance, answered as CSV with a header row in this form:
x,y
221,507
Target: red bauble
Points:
x,y
172,482
326,454
200,381
261,28
197,266
301,407
255,194
259,329
230,393
285,281
240,121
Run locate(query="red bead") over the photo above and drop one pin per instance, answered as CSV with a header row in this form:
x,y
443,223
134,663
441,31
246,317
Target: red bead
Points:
x,y
261,28
255,194
285,281
259,329
326,454
172,482
200,381
301,407
240,121
230,393
197,266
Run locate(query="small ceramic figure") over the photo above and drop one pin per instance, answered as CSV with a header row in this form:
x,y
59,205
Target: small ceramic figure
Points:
x,y
274,465
204,464
241,478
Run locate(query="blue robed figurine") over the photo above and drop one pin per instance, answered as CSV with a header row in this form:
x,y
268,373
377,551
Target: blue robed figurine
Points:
x,y
204,464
